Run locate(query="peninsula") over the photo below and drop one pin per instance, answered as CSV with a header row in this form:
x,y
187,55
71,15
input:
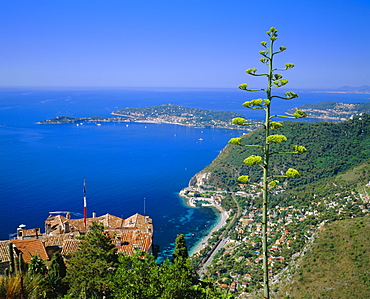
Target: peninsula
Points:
x,y
60,120
333,110
163,114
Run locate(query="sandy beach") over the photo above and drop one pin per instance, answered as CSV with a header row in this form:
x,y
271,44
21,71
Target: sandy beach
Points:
x,y
222,222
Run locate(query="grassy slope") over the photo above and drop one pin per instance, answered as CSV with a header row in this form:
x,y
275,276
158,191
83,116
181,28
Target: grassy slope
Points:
x,y
336,265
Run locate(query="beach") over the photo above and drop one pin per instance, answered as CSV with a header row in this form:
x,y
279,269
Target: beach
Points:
x,y
221,223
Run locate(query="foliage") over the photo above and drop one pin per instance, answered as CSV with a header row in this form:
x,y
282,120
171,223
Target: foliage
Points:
x,y
11,255
96,271
334,110
37,266
136,277
90,267
56,272
181,250
27,286
333,149
139,277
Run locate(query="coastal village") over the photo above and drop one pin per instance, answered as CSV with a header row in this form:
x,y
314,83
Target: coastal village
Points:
x,y
129,235
241,244
160,114
290,228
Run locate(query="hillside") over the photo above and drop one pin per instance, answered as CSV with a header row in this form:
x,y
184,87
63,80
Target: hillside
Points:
x,y
172,114
332,148
332,110
161,114
335,265
334,186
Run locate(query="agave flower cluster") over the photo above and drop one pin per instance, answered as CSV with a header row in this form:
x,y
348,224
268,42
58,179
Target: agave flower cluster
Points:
x,y
274,80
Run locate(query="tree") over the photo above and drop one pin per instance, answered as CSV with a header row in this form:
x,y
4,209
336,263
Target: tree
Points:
x,y
56,272
177,280
137,277
92,265
37,266
181,250
268,181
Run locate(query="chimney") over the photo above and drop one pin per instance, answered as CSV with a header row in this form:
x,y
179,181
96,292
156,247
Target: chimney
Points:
x,y
20,231
66,227
93,214
68,215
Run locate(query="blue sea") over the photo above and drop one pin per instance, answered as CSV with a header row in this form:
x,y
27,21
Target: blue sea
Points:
x,y
135,168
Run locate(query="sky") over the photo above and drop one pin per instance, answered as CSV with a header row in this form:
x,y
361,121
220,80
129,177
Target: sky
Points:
x,y
181,43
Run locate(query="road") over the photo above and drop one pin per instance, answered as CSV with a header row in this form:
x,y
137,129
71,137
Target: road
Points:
x,y
207,260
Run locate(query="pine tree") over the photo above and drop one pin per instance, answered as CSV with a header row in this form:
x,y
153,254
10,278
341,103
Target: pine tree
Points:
x,y
181,250
92,265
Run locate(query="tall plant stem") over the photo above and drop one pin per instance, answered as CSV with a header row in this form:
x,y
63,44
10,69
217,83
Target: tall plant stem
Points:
x,y
265,177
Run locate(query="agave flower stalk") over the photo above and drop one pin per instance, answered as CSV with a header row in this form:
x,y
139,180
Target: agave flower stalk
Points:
x,y
274,80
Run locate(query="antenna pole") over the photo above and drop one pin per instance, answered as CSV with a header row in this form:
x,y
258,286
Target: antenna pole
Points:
x,y
85,204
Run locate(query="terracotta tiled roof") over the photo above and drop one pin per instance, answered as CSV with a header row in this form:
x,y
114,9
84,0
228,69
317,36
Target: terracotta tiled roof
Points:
x,y
4,251
59,224
33,232
70,246
129,240
129,235
58,240
54,221
109,221
141,222
30,248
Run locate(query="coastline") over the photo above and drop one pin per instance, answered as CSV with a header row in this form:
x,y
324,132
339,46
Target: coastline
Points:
x,y
191,202
203,242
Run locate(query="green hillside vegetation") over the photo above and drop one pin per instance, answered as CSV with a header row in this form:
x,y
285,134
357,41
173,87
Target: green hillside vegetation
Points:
x,y
354,178
332,148
161,114
173,110
182,115
335,265
332,104
59,120
333,110
334,187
